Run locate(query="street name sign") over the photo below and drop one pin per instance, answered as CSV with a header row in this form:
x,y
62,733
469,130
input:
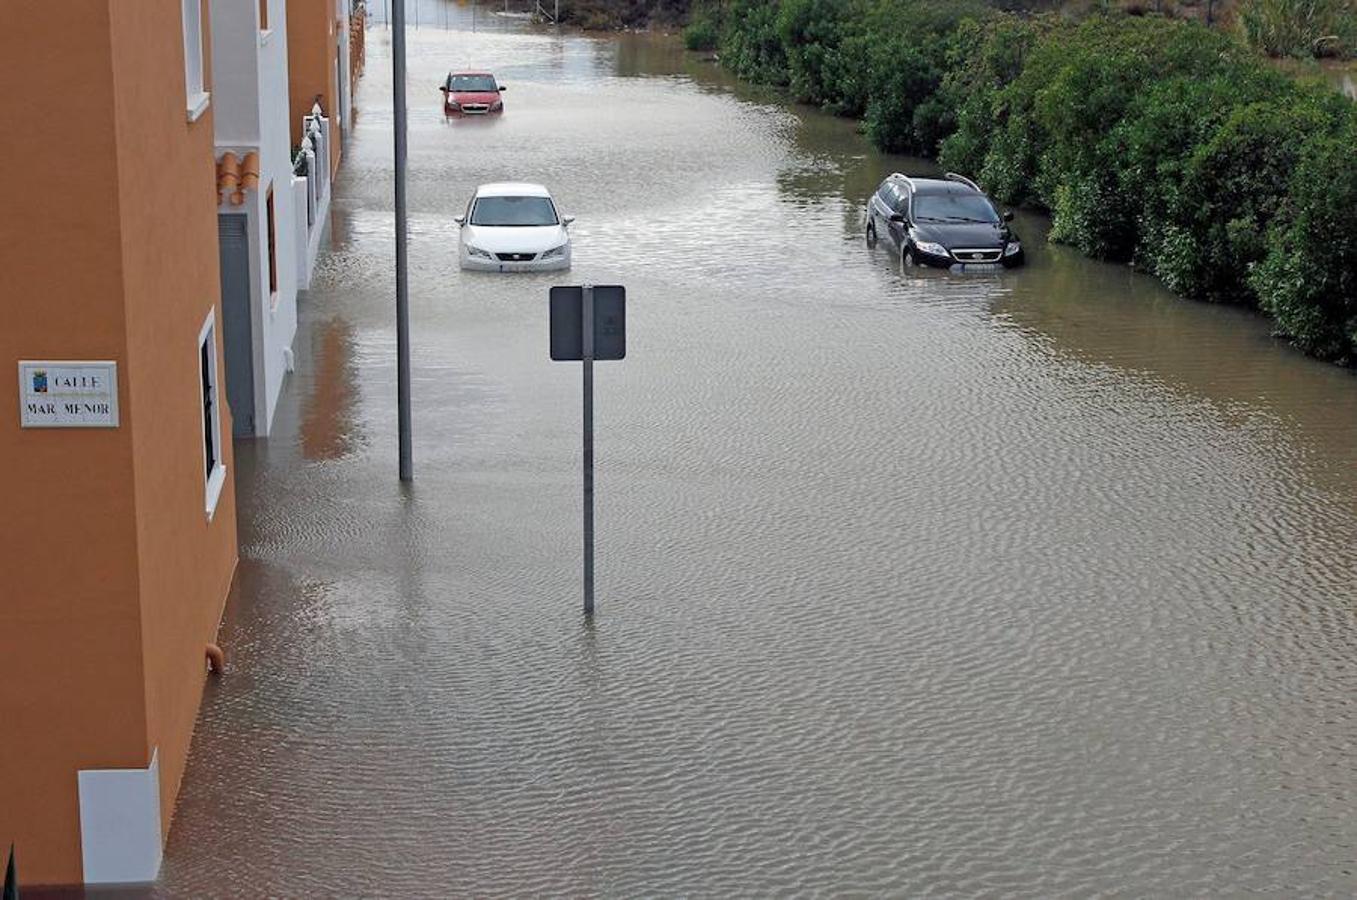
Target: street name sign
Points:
x,y
68,394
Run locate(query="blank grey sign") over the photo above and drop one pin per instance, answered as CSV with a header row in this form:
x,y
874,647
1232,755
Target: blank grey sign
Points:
x,y
610,322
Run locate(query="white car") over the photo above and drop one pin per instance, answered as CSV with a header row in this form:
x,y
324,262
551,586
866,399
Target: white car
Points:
x,y
514,228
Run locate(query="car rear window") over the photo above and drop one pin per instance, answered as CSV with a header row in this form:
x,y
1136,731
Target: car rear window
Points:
x,y
513,211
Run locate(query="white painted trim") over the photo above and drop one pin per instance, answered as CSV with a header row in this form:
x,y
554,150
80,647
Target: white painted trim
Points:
x,y
239,148
208,323
195,81
265,36
214,486
197,105
120,838
217,480
301,233
317,236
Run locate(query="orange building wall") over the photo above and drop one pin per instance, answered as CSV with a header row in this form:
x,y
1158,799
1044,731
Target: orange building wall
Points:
x,y
312,53
111,579
171,270
71,693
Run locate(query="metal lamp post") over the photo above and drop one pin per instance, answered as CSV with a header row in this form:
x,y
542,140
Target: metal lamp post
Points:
x,y
407,463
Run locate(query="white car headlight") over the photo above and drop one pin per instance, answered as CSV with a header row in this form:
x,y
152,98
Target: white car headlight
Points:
x,y
555,252
477,251
931,248
1012,248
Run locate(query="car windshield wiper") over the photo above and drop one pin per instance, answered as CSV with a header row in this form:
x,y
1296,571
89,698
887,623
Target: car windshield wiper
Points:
x,y
969,220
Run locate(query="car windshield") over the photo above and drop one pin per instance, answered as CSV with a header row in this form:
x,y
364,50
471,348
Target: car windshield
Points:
x,y
480,83
954,208
513,211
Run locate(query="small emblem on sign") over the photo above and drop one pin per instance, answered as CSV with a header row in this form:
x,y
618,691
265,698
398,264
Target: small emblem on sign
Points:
x,y
40,382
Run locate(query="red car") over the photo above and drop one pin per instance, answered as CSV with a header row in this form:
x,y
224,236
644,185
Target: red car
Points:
x,y
471,94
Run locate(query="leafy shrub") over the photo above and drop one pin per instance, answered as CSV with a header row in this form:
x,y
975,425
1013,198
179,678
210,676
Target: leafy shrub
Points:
x,y
1235,183
811,31
909,50
911,75
985,58
701,34
1308,280
1074,88
1156,140
751,45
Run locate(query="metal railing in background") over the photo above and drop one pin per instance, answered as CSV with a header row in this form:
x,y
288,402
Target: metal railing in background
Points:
x,y
316,133
311,161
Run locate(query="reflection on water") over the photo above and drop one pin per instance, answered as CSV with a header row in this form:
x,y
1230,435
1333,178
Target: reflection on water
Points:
x,y
1025,583
328,430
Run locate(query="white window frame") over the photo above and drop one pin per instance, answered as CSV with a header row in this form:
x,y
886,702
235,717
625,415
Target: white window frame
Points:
x,y
195,80
216,480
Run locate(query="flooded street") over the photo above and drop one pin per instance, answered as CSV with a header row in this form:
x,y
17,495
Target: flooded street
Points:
x,y
1037,583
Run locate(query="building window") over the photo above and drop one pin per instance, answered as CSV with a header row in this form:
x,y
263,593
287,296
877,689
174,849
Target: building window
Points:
x,y
195,83
273,244
263,15
214,470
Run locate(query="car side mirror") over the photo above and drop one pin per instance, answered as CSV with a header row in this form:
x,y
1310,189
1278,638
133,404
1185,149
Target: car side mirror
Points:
x,y
1008,215
443,88
503,87
566,220
897,218
460,220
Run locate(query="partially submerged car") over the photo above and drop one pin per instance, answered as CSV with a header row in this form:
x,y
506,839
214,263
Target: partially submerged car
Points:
x,y
472,94
942,222
513,227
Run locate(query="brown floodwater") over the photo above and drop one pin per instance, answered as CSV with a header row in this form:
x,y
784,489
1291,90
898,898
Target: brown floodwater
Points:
x,y
1036,583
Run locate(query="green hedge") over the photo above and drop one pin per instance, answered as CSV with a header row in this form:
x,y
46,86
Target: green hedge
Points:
x,y
1152,141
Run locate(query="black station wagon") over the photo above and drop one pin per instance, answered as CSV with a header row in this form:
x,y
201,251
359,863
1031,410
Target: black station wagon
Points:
x,y
941,222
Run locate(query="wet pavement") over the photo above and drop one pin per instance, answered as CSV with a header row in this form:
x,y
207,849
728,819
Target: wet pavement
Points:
x,y
1036,583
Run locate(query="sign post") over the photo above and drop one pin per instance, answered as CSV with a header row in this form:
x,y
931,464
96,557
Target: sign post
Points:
x,y
587,323
587,335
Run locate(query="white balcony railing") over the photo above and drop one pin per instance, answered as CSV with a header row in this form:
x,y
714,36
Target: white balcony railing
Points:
x,y
311,168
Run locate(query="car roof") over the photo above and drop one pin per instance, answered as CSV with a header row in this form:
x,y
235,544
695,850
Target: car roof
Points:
x,y
937,185
512,189
459,74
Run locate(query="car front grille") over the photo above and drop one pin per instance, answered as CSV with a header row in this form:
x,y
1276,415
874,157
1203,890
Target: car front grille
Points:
x,y
516,257
978,255
475,108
